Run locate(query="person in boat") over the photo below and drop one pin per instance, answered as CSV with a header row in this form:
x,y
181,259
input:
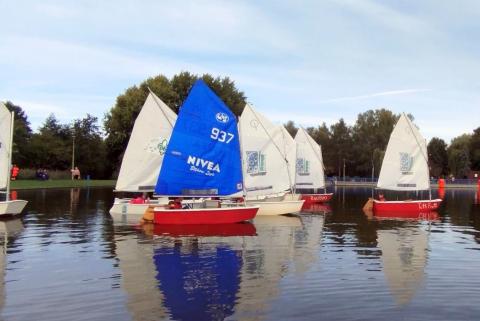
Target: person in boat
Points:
x,y
175,204
381,197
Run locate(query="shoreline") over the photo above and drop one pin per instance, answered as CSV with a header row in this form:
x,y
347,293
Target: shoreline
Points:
x,y
60,183
373,184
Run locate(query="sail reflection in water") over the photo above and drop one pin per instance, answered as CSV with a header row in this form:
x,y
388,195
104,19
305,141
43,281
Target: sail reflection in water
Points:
x,y
207,274
404,251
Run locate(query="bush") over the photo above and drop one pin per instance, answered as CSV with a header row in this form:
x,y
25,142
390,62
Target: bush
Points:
x,y
29,173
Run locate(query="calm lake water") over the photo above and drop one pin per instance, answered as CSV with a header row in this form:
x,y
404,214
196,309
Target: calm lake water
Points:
x,y
66,259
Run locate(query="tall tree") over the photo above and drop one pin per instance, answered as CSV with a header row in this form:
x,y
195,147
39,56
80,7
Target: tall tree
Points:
x,y
91,161
475,149
22,133
342,145
370,138
459,156
291,128
438,157
51,147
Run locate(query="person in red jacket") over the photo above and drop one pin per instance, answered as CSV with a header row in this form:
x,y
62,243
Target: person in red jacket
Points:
x,y
15,171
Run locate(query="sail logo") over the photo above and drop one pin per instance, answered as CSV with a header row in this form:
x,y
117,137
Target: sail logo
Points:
x,y
406,163
203,166
256,163
303,167
222,118
157,145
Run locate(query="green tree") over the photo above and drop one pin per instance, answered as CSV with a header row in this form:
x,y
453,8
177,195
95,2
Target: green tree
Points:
x,y
22,133
438,157
459,155
118,122
475,149
50,146
342,145
291,128
91,161
370,135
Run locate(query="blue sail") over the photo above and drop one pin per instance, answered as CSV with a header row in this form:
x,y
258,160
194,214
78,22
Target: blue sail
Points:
x,y
203,155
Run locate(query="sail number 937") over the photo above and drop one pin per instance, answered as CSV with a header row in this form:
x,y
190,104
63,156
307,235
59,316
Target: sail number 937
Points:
x,y
221,136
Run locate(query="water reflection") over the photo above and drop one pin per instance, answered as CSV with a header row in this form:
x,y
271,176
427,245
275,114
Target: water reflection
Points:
x,y
404,257
9,229
72,261
206,276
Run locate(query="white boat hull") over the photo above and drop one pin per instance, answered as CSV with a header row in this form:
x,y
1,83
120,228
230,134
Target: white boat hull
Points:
x,y
13,207
124,211
277,208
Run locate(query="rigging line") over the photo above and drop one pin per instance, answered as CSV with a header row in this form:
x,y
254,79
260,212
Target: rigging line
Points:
x,y
424,156
271,139
160,106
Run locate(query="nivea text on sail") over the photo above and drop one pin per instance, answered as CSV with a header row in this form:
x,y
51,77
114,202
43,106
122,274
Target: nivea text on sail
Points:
x,y
198,162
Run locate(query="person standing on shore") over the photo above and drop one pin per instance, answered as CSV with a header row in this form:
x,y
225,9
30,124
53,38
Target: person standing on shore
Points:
x,y
14,173
75,173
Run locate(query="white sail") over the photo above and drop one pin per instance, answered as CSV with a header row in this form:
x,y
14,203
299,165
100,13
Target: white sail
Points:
x,y
144,154
264,167
309,173
5,145
404,166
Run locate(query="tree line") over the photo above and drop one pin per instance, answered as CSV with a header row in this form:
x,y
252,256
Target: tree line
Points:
x,y
359,148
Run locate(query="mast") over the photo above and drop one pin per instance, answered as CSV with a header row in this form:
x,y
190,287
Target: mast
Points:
x,y
9,153
241,161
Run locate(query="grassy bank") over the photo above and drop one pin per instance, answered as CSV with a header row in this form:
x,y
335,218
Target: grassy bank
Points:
x,y
60,183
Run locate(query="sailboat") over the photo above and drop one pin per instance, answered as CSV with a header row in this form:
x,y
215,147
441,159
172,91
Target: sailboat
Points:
x,y
267,170
405,168
9,206
203,160
309,168
144,155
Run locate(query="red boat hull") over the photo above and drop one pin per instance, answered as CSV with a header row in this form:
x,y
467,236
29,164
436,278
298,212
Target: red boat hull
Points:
x,y
234,229
417,216
316,198
204,216
316,208
423,206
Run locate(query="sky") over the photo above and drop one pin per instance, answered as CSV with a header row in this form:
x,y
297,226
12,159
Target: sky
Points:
x,y
306,61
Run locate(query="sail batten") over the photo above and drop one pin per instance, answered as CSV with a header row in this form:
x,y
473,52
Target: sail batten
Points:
x,y
144,154
405,166
309,164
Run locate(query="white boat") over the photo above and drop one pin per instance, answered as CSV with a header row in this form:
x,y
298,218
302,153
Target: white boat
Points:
x,y
143,157
268,164
405,168
7,207
310,169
